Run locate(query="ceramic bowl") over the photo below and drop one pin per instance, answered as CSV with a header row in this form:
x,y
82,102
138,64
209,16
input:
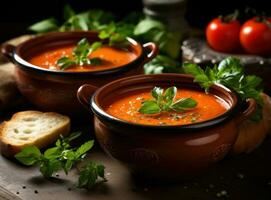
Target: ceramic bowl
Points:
x,y
165,152
53,90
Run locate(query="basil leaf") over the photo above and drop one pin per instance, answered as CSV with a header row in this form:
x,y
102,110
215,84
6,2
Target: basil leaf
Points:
x,y
89,175
65,62
117,39
100,170
29,155
82,48
68,12
184,104
84,148
146,25
94,46
95,61
53,152
149,107
44,26
162,64
157,92
49,167
170,94
193,69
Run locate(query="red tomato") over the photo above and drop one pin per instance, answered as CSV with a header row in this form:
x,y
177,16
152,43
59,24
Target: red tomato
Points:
x,y
255,36
223,36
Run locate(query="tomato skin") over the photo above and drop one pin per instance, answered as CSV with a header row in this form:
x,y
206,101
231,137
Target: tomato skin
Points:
x,y
223,36
255,37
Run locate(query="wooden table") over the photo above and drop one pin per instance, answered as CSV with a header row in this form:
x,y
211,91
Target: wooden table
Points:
x,y
242,177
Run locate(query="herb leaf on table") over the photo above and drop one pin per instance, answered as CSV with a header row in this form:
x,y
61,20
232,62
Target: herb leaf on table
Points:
x,y
165,102
89,175
63,156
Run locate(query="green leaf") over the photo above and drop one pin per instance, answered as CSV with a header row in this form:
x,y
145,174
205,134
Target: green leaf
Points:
x,y
117,39
49,167
29,155
68,12
95,45
146,25
44,26
157,92
149,107
84,148
107,31
184,104
53,152
193,69
100,170
72,136
230,73
170,94
65,62
90,174
162,64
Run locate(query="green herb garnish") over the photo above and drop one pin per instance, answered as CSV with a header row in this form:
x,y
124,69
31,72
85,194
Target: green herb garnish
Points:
x,y
165,102
230,73
62,156
114,32
80,55
89,175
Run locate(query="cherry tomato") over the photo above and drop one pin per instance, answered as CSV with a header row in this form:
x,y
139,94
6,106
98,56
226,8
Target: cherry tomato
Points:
x,y
223,36
255,36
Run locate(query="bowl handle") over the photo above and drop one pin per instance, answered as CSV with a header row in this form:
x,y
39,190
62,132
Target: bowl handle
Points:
x,y
7,50
151,50
84,94
251,108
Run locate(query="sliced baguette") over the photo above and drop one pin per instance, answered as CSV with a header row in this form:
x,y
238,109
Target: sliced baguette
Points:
x,y
28,128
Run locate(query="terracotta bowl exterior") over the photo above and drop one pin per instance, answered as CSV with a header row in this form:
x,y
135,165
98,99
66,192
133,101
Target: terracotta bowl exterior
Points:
x,y
56,90
165,152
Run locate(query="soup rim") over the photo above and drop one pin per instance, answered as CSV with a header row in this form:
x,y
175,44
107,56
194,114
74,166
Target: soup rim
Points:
x,y
101,113
23,63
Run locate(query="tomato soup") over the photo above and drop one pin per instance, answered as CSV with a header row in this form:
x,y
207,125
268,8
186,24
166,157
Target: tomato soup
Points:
x,y
208,107
111,57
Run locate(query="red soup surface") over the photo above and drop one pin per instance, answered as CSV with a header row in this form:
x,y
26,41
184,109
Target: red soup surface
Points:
x,y
111,57
208,107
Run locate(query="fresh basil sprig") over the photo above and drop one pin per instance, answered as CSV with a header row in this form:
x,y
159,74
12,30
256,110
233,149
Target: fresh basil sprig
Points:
x,y
165,102
230,73
63,156
89,174
80,55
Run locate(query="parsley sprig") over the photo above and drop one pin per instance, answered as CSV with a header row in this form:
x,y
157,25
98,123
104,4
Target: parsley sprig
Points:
x,y
63,156
230,73
80,55
165,102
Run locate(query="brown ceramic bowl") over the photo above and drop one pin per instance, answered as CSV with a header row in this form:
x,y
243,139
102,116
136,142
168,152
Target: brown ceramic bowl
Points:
x,y
56,90
165,152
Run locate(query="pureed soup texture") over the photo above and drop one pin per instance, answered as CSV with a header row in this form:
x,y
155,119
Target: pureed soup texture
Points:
x,y
109,57
207,107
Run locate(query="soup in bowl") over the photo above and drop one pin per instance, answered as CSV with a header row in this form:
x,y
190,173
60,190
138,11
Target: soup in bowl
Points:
x,y
50,67
165,127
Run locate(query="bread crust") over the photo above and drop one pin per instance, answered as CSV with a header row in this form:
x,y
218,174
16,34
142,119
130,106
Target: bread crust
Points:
x,y
9,148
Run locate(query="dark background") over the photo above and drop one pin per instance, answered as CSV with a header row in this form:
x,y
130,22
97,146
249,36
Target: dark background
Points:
x,y
16,16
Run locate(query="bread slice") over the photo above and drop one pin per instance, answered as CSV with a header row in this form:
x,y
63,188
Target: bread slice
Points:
x,y
28,128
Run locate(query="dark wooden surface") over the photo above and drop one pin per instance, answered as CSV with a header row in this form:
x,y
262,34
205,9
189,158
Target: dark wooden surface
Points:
x,y
242,177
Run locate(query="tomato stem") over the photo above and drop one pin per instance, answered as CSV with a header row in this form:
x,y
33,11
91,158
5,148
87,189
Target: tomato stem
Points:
x,y
263,19
230,17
